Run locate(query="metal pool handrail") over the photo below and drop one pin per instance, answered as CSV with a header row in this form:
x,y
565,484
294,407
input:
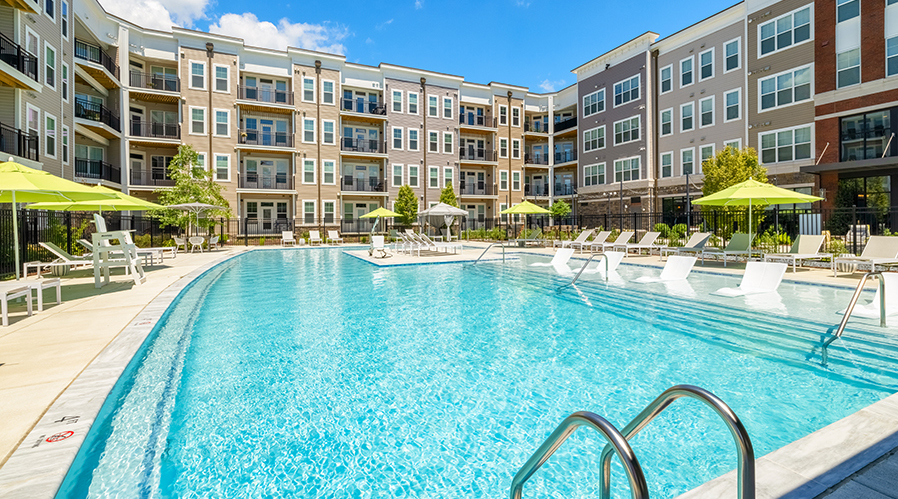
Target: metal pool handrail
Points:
x,y
567,427
746,454
591,256
487,249
850,309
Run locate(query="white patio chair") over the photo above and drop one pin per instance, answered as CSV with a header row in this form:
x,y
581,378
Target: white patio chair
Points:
x,y
287,238
333,236
196,242
759,277
378,246
806,247
646,243
561,257
677,268
315,237
879,250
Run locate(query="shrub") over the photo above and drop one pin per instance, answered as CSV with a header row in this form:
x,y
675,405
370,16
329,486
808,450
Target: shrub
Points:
x,y
663,228
261,241
679,230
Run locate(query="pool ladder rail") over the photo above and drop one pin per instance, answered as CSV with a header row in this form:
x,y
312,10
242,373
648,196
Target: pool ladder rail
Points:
x,y
618,443
857,294
487,249
591,256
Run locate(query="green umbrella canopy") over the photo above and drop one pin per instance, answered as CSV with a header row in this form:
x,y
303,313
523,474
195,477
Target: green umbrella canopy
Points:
x,y
524,208
754,192
28,185
121,202
380,212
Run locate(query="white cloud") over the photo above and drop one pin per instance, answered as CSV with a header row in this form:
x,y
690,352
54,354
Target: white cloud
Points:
x,y
550,86
320,37
419,4
158,14
369,40
384,24
522,3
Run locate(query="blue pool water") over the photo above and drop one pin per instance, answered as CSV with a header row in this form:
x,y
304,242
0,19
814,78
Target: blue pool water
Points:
x,y
310,373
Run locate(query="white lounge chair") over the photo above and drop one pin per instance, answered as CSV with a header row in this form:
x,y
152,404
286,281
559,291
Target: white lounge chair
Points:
x,y
315,237
561,257
10,291
580,239
646,243
614,259
738,245
435,246
622,238
879,250
287,238
410,244
378,246
63,259
871,310
759,277
805,247
333,236
598,242
532,238
677,268
694,246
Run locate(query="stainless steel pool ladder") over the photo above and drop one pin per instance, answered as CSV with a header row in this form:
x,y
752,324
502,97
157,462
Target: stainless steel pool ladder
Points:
x,y
487,249
618,442
591,256
850,309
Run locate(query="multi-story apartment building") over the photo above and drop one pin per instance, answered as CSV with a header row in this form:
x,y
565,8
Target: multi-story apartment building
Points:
x,y
298,137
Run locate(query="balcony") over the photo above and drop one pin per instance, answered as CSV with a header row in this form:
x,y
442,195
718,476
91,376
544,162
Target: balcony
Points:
x,y
536,159
149,81
371,184
536,190
94,54
19,59
565,157
18,143
566,124
565,189
471,119
269,95
474,189
364,106
155,130
153,178
279,181
252,137
476,154
96,112
367,146
98,170
536,126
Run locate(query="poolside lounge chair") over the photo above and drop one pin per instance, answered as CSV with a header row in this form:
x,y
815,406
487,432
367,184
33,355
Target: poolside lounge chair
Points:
x,y
10,291
759,277
614,259
287,238
871,310
435,246
409,244
646,243
333,236
879,250
180,241
622,238
598,242
806,247
580,239
63,259
561,257
677,268
739,244
378,247
533,238
315,237
693,246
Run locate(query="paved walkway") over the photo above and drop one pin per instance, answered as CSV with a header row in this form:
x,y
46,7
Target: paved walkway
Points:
x,y
878,480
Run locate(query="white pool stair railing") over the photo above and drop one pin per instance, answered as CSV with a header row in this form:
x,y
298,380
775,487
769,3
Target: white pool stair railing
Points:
x,y
857,294
487,249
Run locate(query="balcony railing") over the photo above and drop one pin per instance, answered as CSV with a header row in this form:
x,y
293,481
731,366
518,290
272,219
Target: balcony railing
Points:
x,y
363,145
369,184
565,156
95,54
364,106
864,143
253,137
259,94
138,128
536,126
475,189
17,57
153,178
536,190
476,154
536,159
19,143
565,189
278,181
472,119
96,169
564,125
96,112
167,83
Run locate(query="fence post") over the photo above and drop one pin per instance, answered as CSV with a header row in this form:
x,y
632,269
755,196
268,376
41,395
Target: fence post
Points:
x,y
68,232
245,233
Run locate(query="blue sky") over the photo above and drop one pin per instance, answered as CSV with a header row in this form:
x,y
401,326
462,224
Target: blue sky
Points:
x,y
533,43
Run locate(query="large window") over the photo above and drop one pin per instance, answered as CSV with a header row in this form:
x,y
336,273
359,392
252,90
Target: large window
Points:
x,y
892,56
503,148
786,145
223,167
433,142
848,68
308,171
847,9
515,148
626,91
666,79
308,90
447,107
503,180
515,116
308,130
706,65
328,132
432,106
594,174
687,161
433,177
687,120
328,172
412,176
666,122
397,101
706,108
198,75
221,79
515,181
397,138
667,164
327,92
865,136
198,120
594,103
731,55
447,143
732,105
785,31
626,169
397,175
594,139
222,123
412,139
787,88
686,72
412,103
626,130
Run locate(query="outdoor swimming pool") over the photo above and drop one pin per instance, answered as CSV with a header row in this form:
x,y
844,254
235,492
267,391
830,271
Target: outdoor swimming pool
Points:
x,y
309,373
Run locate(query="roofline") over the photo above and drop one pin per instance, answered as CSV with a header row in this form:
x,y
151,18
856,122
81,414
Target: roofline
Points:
x,y
387,65
594,59
693,25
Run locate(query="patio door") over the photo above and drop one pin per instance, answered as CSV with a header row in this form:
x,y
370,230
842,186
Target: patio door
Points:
x,y
361,180
267,215
266,90
136,121
267,128
138,174
267,173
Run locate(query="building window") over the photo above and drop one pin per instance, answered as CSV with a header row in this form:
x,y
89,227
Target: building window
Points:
x,y
308,211
686,72
785,31
447,107
787,88
666,122
308,89
223,167
329,172
432,106
626,91
686,121
786,145
626,169
65,20
327,92
594,139
50,67
433,179
222,120
447,143
433,142
594,103
221,79
626,130
503,115
412,176
865,136
397,175
198,75
706,108
412,103
328,132
308,171
50,135
397,138
50,9
515,181
707,153
412,139
503,180
848,68
666,79
329,208
594,175
65,82
892,56
397,101
515,149
448,175
308,130
731,55
65,144
687,161
706,65
515,116
847,9
732,104
503,148
667,164
735,144
198,120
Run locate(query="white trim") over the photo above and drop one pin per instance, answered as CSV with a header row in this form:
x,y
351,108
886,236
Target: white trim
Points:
x,y
451,109
661,122
713,112
190,120
393,138
513,142
417,104
507,180
65,76
809,67
64,15
602,100
334,133
408,139
56,129
585,140
792,129
393,102
451,171
333,101
314,171
738,41
500,147
43,60
776,51
713,69
336,172
206,165
314,130
629,158
638,127
601,169
437,106
50,15
437,142
37,37
215,122
302,89
417,176
451,143
700,159
215,157
430,171
680,72
65,146
661,164
738,91
29,107
737,140
520,187
190,74
302,211
324,212
393,174
614,93
690,103
215,78
683,163
660,80
501,107
520,112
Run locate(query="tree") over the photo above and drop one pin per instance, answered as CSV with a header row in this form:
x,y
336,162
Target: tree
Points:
x,y
406,205
726,169
448,196
560,209
193,184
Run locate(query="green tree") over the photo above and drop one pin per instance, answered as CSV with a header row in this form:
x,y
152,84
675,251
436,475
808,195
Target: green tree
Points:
x,y
193,184
560,209
448,196
406,205
726,169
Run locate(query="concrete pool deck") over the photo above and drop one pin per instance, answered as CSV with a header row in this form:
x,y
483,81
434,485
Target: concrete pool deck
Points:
x,y
52,356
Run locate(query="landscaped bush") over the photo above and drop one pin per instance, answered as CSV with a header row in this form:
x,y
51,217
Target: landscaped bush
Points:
x,y
663,228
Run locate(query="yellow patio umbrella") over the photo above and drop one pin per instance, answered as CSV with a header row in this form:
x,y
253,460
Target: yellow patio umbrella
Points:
x,y
20,184
121,202
525,208
377,214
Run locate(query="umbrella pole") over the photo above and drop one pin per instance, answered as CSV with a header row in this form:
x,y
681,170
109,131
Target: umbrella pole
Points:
x,y
750,235
15,231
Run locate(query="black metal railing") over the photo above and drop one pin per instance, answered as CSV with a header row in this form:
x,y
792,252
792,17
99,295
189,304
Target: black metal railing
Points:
x,y
96,55
259,94
19,143
566,124
536,190
277,181
364,106
97,169
565,189
370,184
475,189
142,128
253,137
476,154
96,112
565,156
536,159
363,145
536,126
17,57
153,178
168,83
472,119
